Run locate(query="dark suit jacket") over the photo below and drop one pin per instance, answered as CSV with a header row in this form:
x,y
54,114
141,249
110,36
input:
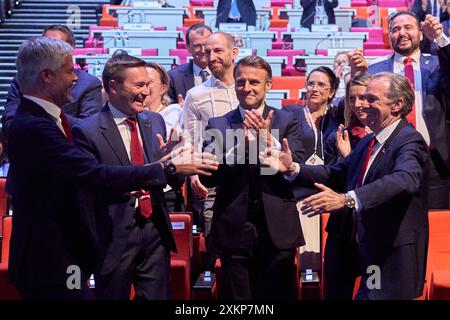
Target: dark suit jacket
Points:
x,y
86,99
233,187
309,10
99,136
436,99
181,80
392,228
246,9
50,181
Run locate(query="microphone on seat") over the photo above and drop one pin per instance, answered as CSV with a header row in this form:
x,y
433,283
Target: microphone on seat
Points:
x,y
320,41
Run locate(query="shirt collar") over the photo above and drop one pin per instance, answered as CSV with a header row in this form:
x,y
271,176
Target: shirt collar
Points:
x,y
260,110
118,116
415,56
218,83
51,108
196,69
384,134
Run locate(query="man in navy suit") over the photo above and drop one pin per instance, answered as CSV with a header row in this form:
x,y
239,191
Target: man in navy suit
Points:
x,y
236,11
86,93
195,72
432,88
139,248
56,240
385,179
309,11
255,228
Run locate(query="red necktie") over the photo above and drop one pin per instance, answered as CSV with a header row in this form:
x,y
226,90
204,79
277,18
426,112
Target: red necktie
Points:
x,y
137,158
366,162
409,73
66,127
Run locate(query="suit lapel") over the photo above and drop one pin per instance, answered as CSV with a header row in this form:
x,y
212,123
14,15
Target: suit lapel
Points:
x,y
425,66
189,81
146,136
376,162
236,121
112,135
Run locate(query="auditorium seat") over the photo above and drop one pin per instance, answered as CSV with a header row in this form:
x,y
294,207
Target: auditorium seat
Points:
x,y
180,264
149,52
293,84
289,70
438,262
377,52
359,3
375,39
391,3
89,51
7,292
183,54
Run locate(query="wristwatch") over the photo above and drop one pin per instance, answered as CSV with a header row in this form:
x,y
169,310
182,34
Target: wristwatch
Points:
x,y
169,168
349,201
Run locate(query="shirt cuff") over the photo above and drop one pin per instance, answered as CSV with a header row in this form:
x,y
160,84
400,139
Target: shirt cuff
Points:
x,y
294,175
441,40
358,204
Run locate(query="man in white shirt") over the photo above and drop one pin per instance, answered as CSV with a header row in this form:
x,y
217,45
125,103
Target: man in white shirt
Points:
x,y
385,178
212,98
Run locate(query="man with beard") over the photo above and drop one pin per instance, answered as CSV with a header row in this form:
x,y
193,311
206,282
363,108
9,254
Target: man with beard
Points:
x,y
213,98
430,78
195,72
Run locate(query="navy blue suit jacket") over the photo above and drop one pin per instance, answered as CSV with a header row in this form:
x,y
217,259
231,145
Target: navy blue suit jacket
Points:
x,y
50,180
98,136
233,189
309,10
436,99
392,228
246,9
181,80
86,99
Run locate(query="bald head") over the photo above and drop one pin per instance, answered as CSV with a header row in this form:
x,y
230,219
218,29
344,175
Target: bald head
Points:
x,y
224,38
220,52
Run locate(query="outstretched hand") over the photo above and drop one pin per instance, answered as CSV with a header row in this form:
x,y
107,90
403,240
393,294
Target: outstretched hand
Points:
x,y
325,201
280,161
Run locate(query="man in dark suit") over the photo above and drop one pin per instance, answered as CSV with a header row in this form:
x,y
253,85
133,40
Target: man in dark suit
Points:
x,y
195,72
139,247
236,11
432,87
385,179
309,11
86,93
55,244
255,228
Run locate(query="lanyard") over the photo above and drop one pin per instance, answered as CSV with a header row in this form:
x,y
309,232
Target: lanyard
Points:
x,y
311,123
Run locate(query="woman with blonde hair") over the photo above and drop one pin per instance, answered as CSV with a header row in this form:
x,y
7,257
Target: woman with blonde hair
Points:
x,y
158,100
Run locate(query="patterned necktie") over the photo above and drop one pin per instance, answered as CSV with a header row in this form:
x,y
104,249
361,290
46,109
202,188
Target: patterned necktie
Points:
x,y
137,158
66,126
234,9
366,162
409,73
204,74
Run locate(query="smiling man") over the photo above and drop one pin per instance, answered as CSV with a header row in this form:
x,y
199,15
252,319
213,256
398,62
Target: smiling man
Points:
x,y
255,228
385,178
430,77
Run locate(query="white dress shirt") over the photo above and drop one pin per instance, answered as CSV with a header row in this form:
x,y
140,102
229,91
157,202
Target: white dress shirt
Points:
x,y
49,107
208,100
399,68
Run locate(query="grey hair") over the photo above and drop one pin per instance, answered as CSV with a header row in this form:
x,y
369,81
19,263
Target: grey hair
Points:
x,y
38,54
399,88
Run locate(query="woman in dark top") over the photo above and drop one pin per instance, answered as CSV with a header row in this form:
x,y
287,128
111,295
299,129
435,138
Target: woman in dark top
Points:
x,y
341,267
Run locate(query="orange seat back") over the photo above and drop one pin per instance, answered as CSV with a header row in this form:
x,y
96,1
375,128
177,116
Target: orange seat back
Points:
x,y
293,84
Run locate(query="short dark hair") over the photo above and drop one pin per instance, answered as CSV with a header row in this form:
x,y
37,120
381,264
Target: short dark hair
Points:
x,y
115,66
254,62
58,27
402,13
334,81
198,26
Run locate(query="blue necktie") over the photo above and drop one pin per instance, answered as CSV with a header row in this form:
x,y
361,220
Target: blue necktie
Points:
x,y
234,9
434,9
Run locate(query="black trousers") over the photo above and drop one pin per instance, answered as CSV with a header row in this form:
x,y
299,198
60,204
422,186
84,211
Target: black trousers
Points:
x,y
145,263
259,270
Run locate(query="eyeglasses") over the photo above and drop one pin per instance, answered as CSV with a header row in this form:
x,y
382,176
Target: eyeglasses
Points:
x,y
320,85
